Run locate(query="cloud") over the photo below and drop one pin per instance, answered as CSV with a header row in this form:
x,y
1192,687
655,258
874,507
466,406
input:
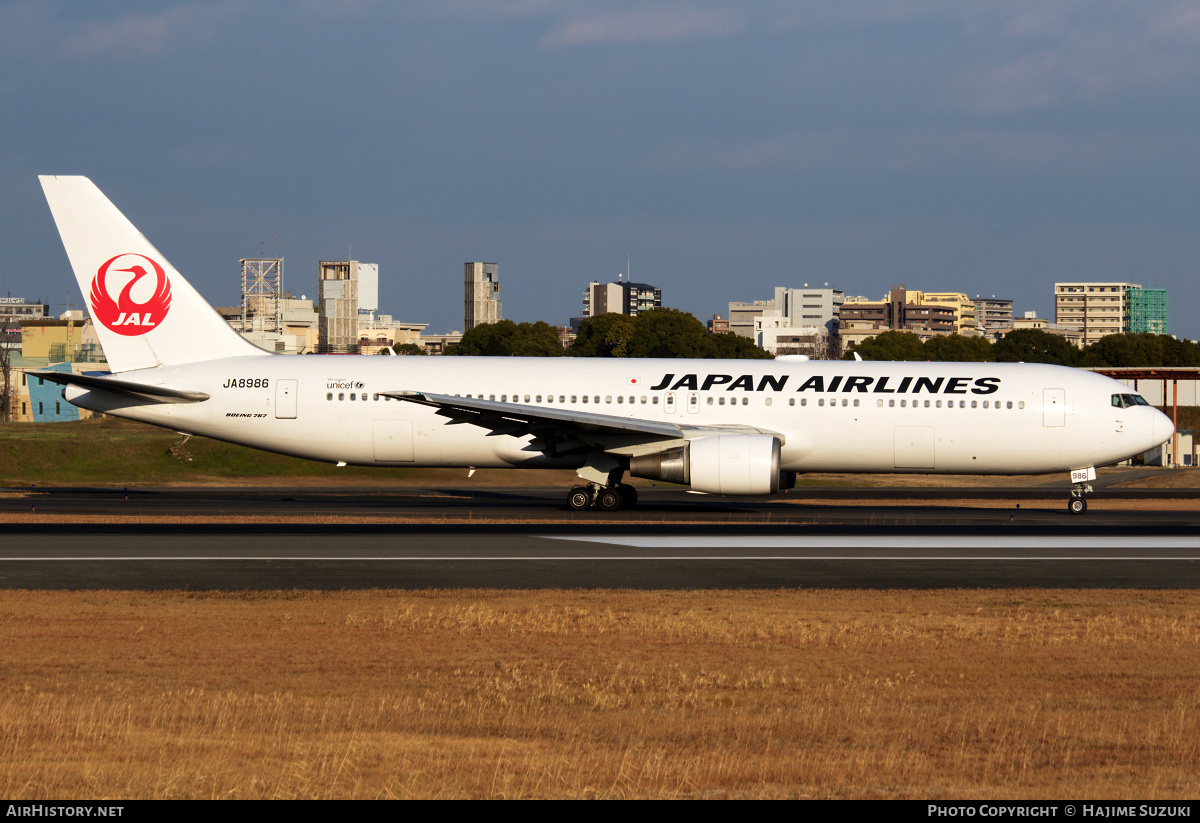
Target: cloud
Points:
x,y
138,35
644,26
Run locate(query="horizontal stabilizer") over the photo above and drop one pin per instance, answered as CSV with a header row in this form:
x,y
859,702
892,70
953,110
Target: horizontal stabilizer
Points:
x,y
126,388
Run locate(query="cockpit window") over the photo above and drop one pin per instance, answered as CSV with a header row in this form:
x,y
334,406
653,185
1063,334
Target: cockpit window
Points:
x,y
1125,401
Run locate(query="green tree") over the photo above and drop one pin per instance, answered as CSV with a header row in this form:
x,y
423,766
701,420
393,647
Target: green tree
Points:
x,y
1180,352
507,339
605,335
954,348
891,345
1141,350
1035,346
729,346
674,333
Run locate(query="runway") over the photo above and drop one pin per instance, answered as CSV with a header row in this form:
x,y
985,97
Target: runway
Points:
x,y
229,557
334,539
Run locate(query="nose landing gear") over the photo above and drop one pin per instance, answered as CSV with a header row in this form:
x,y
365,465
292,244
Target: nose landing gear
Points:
x,y
1080,485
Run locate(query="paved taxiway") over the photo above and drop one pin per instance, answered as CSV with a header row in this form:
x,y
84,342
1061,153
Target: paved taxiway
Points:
x,y
423,538
811,506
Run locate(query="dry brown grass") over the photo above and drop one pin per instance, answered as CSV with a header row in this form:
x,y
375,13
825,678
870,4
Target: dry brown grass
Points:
x,y
601,693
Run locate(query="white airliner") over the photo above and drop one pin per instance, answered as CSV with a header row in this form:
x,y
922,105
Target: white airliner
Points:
x,y
734,427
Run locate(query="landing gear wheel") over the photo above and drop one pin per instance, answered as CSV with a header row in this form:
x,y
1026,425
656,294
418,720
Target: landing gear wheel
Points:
x,y
1077,505
628,495
579,499
609,500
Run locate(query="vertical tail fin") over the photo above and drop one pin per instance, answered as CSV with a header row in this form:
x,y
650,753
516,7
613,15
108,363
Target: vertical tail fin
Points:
x,y
145,313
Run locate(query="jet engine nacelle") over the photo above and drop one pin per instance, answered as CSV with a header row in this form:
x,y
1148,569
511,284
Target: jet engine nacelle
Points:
x,y
722,464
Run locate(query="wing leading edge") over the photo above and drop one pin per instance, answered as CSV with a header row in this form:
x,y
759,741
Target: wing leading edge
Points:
x,y
563,431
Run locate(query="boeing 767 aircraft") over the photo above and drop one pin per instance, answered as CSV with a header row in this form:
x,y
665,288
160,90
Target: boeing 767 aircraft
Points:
x,y
718,426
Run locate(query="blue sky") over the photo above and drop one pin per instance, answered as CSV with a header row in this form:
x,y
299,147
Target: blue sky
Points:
x,y
723,148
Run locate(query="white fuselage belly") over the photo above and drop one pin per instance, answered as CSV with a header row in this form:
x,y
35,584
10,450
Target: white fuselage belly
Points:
x,y
1037,419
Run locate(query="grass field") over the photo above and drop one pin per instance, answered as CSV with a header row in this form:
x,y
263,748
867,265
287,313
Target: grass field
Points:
x,y
950,694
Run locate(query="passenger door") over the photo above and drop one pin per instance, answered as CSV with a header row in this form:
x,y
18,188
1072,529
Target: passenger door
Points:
x,y
1054,407
285,399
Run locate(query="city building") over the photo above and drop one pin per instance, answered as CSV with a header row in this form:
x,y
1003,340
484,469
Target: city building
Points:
x,y
368,287
15,308
799,309
1030,320
993,314
743,314
378,332
1149,311
622,297
438,343
815,342
909,311
965,315
1096,309
59,341
719,324
337,307
481,295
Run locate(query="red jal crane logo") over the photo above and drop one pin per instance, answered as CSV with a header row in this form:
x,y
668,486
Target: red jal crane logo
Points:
x,y
125,315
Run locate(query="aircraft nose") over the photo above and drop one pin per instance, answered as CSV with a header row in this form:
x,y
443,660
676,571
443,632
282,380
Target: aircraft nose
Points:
x,y
1163,427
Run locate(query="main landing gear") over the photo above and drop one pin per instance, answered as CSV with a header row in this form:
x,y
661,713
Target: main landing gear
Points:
x,y
609,498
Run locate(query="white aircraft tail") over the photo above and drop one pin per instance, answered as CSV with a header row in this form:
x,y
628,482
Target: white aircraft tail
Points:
x,y
145,313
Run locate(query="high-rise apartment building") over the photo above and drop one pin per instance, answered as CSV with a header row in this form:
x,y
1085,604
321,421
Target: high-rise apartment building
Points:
x,y
993,314
620,298
1096,309
337,306
481,295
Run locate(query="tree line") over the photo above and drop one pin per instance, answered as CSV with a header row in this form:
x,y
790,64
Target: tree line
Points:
x,y
656,333
1034,346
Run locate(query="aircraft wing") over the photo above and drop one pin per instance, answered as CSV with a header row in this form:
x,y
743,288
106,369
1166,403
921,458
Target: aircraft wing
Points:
x,y
126,388
559,428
